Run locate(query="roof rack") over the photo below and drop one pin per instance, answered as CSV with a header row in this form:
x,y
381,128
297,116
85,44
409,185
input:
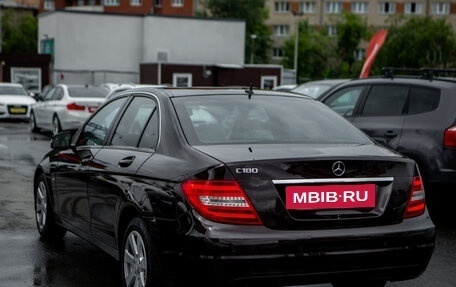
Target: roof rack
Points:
x,y
424,73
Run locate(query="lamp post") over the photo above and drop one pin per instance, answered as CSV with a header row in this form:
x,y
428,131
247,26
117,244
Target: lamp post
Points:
x,y
252,47
295,63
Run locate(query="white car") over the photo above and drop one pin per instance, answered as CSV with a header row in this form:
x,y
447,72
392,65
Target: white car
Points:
x,y
66,107
14,102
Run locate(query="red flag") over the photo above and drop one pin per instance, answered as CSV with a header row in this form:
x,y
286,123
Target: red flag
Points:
x,y
374,46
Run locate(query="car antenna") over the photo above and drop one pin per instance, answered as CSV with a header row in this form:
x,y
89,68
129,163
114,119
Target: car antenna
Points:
x,y
249,91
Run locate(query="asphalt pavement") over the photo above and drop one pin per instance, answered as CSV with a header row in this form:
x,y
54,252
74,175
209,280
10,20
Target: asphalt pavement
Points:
x,y
27,261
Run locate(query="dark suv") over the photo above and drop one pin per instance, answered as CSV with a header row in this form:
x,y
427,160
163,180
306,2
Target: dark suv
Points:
x,y
415,115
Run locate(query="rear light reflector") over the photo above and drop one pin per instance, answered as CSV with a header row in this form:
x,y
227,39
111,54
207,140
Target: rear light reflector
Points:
x,y
75,107
416,204
450,137
221,201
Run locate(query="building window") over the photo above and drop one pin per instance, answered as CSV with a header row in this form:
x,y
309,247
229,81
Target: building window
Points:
x,y
281,6
386,7
49,5
413,8
360,54
158,3
80,2
182,80
281,30
441,8
307,7
135,2
111,2
268,82
177,3
359,7
277,53
332,30
333,7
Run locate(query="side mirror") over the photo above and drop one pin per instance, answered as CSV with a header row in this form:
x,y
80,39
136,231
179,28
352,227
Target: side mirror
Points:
x,y
62,140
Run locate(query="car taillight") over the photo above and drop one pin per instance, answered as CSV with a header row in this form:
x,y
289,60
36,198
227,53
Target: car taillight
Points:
x,y
75,107
220,201
450,137
416,204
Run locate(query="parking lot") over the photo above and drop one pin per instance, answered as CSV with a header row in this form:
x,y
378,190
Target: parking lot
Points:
x,y
27,261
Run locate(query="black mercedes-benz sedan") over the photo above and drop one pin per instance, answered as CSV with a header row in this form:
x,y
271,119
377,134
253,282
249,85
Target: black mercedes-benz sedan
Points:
x,y
234,187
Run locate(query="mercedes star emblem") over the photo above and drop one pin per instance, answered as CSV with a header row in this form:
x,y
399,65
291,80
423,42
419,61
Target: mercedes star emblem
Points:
x,y
338,168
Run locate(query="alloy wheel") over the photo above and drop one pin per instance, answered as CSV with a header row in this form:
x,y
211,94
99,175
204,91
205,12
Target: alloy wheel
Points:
x,y
55,126
41,205
135,261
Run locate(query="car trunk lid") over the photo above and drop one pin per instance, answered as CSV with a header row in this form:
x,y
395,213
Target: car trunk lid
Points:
x,y
301,187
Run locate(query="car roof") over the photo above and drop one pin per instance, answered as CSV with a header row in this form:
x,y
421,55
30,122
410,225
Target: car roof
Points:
x,y
434,82
327,81
201,91
10,84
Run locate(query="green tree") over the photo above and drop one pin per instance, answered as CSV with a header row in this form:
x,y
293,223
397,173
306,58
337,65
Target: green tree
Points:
x,y
19,32
254,13
316,54
351,30
418,42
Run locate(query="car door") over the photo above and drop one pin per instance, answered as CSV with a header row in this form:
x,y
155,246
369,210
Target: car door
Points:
x,y
40,108
70,170
113,169
381,113
46,109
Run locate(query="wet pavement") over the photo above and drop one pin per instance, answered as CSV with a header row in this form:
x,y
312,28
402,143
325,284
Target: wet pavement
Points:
x,y
26,261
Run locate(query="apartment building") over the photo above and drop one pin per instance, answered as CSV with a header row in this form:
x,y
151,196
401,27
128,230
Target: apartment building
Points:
x,y
284,15
136,7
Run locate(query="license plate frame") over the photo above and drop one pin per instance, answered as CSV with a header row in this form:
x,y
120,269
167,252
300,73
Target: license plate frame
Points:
x,y
330,197
17,110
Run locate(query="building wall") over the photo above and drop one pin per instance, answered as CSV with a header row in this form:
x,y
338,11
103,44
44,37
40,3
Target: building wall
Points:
x,y
212,75
139,7
98,47
167,8
320,17
193,40
125,7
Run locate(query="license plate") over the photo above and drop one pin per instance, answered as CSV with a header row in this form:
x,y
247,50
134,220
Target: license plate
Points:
x,y
330,197
17,110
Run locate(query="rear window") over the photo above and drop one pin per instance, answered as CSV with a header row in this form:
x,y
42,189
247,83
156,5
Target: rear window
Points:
x,y
87,92
222,119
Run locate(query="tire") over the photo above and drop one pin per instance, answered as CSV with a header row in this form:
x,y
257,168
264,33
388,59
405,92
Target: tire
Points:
x,y
138,257
32,123
56,126
44,216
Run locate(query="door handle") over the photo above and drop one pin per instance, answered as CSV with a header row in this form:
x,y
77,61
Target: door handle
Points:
x,y
126,162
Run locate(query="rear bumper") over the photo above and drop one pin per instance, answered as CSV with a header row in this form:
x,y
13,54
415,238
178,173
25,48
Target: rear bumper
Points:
x,y
227,254
5,113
